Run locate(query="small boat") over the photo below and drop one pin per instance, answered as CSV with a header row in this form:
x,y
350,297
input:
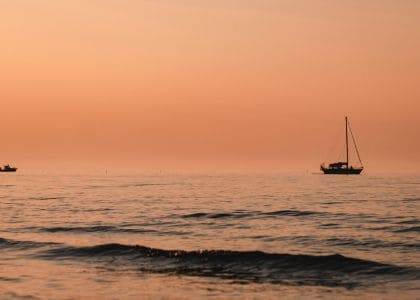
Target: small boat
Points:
x,y
343,167
7,168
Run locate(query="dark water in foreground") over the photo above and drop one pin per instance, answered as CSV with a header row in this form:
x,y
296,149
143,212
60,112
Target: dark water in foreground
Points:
x,y
209,236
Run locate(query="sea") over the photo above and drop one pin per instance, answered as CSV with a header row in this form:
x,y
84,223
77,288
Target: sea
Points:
x,y
294,235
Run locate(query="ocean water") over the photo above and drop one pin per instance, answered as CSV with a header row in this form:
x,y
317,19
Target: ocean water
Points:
x,y
215,236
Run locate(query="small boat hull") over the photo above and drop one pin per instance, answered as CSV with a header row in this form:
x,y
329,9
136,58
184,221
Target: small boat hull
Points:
x,y
342,171
8,168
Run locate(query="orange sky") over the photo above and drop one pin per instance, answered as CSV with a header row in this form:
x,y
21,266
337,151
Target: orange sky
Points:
x,y
208,84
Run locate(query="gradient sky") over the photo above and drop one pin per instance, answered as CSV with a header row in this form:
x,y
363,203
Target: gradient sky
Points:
x,y
208,84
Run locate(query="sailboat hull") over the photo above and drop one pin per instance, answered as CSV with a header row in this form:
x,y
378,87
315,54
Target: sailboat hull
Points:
x,y
8,170
344,171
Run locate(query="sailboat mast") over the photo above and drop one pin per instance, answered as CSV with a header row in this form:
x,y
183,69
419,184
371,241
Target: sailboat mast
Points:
x,y
347,146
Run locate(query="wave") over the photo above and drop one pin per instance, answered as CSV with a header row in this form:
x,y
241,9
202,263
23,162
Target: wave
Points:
x,y
140,185
22,245
370,243
90,229
247,214
48,198
237,214
409,229
128,185
293,213
414,222
366,244
241,266
103,229
237,266
411,199
9,279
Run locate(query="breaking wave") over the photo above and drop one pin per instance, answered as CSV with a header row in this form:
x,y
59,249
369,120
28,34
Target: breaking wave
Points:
x,y
242,266
237,266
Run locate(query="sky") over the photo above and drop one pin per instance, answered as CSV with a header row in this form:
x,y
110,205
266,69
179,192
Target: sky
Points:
x,y
208,84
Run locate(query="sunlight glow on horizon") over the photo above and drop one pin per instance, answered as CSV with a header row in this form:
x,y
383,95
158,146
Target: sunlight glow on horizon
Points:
x,y
208,84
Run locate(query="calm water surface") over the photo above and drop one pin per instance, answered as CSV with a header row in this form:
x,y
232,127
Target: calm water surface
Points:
x,y
209,236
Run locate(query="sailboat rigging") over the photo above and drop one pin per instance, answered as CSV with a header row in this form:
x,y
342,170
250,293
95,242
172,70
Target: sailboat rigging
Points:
x,y
344,167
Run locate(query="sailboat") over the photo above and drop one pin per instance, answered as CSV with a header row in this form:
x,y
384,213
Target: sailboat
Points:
x,y
343,167
7,168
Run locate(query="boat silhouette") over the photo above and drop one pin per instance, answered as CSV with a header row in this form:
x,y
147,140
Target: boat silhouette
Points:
x,y
7,168
343,167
